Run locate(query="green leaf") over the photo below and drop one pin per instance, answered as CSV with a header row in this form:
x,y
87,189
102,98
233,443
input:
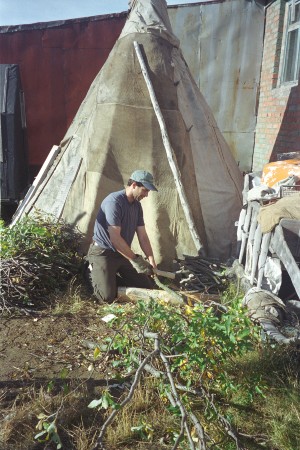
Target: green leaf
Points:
x,y
228,324
115,405
56,439
174,410
259,391
52,428
243,334
105,401
64,373
232,338
97,352
40,434
95,403
117,363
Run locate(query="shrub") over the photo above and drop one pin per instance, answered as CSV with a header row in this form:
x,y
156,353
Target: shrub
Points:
x,y
39,254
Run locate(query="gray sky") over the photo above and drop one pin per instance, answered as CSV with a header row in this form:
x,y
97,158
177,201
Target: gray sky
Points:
x,y
17,12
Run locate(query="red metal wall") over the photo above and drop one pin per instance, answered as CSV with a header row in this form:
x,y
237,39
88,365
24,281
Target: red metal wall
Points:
x,y
58,62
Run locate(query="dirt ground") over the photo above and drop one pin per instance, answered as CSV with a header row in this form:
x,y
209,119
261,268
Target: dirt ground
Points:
x,y
51,345
53,350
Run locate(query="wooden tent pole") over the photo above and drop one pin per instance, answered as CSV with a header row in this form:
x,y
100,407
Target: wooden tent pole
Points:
x,y
170,152
36,183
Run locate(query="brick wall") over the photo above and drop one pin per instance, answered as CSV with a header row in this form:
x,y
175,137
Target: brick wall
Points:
x,y
278,120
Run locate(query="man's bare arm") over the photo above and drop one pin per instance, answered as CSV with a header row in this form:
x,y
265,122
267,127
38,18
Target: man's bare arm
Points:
x,y
119,243
145,244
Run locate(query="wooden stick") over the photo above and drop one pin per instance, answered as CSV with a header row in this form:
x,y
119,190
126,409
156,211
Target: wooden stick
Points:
x,y
250,243
163,273
256,250
245,231
170,152
263,257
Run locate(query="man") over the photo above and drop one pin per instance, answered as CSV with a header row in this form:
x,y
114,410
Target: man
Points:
x,y
111,260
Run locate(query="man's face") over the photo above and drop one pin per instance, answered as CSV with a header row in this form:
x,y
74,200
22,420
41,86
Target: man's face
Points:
x,y
140,192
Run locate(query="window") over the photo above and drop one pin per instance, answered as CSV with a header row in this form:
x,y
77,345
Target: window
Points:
x,y
292,48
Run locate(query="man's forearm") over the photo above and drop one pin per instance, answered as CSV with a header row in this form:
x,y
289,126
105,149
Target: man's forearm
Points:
x,y
122,247
152,261
147,249
120,244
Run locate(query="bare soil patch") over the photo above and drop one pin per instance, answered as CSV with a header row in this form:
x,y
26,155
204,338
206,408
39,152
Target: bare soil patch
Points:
x,y
40,354
40,347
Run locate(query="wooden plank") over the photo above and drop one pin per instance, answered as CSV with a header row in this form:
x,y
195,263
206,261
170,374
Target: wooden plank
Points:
x,y
241,222
283,252
69,178
246,188
36,183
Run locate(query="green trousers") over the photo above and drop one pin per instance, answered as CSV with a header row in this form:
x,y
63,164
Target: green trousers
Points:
x,y
109,270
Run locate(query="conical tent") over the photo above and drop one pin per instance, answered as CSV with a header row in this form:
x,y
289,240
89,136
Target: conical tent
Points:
x,y
116,131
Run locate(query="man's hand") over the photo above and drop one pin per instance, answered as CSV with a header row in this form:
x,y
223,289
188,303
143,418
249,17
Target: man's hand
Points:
x,y
141,265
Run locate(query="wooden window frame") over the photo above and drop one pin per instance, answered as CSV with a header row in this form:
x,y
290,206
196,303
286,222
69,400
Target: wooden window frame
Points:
x,y
290,26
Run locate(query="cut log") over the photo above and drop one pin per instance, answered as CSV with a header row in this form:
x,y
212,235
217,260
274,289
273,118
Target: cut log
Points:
x,y
135,294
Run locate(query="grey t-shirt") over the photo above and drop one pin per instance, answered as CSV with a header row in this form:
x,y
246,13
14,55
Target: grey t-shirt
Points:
x,y
116,210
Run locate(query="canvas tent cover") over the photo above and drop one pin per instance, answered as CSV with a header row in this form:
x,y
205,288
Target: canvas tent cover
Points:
x,y
116,131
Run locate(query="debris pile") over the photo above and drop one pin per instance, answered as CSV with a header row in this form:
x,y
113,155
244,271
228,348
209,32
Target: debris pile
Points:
x,y
201,275
38,258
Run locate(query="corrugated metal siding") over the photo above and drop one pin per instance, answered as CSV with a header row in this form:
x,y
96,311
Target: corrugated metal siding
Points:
x,y
222,44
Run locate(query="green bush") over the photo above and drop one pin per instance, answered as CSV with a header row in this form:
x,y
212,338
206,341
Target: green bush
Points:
x,y
200,338
198,342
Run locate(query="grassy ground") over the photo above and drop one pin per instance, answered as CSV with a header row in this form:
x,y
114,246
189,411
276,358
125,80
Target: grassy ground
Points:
x,y
59,358
52,374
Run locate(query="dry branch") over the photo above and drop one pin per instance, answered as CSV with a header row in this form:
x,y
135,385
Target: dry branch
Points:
x,y
173,397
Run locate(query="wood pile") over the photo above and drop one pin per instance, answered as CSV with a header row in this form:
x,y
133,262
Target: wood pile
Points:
x,y
201,275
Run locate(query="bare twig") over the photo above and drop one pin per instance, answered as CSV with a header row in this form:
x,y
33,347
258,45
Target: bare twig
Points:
x,y
173,396
138,374
209,398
